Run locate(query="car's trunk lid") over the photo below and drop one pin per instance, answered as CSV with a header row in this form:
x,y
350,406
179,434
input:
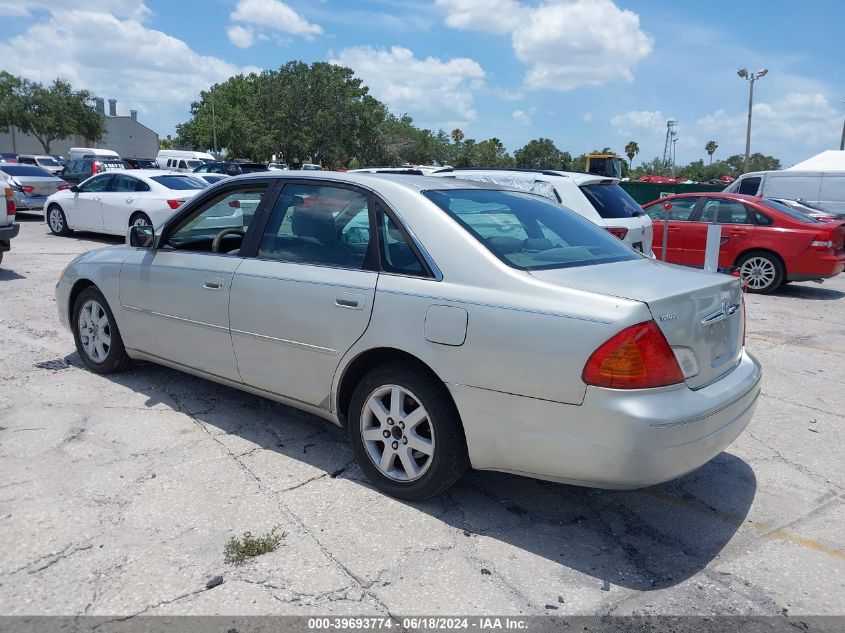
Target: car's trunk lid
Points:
x,y
694,309
41,187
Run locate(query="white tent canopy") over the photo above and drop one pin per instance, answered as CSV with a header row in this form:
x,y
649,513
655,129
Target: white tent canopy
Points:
x,y
828,160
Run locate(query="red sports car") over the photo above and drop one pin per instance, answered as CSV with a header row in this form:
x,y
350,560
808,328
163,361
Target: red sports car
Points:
x,y
769,242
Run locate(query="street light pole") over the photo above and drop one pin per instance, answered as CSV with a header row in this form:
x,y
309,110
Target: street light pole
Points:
x,y
214,124
750,78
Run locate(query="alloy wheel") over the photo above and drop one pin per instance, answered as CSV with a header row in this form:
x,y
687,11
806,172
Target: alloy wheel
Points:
x,y
140,221
397,433
759,272
57,223
94,331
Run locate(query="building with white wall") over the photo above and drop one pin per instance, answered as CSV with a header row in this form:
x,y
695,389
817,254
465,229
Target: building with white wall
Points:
x,y
124,134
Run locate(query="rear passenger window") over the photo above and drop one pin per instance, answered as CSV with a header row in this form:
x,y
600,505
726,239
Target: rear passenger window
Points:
x,y
314,224
723,211
612,201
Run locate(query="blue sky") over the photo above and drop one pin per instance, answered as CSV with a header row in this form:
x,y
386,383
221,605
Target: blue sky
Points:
x,y
586,73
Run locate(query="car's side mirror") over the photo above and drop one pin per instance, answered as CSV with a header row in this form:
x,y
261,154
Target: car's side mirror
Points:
x,y
142,236
75,188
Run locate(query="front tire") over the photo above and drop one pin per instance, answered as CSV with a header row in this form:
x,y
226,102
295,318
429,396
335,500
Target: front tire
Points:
x,y
763,272
95,332
57,221
406,432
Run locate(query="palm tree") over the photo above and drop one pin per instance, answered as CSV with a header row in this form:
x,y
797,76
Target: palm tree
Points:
x,y
631,150
457,135
711,148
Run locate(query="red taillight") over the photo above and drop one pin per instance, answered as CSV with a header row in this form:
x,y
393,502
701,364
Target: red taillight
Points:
x,y
638,357
618,231
10,201
95,167
175,204
63,187
26,188
822,242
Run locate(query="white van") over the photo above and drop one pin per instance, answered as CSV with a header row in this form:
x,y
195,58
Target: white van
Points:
x,y
597,198
165,154
75,153
823,189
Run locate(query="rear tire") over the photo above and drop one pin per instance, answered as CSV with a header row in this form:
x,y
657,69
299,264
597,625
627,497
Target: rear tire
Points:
x,y
140,219
98,341
763,272
57,221
406,432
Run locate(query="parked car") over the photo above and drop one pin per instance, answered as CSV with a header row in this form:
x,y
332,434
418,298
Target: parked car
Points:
x,y
41,160
75,153
277,166
230,168
825,190
210,178
8,228
810,209
77,170
141,163
164,155
310,167
599,199
30,185
114,201
769,242
401,308
8,157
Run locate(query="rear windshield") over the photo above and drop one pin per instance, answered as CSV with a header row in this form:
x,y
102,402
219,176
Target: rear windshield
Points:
x,y
180,183
16,169
612,201
787,210
49,162
530,232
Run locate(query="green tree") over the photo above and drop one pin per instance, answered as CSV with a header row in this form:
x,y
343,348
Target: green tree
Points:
x,y
49,112
631,150
710,147
457,135
491,153
541,153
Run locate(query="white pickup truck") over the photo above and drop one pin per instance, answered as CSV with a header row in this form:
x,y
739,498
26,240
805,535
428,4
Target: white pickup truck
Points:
x,y
8,228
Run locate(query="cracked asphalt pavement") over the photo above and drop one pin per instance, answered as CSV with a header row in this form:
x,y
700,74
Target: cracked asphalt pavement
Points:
x,y
118,493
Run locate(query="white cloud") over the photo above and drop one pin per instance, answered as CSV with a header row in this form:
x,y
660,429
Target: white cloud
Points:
x,y
494,16
273,15
588,117
639,121
565,44
240,36
792,128
523,118
155,73
435,91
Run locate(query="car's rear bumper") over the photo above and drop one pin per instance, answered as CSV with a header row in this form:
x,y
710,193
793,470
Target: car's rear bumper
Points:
x,y
29,203
616,438
6,235
816,267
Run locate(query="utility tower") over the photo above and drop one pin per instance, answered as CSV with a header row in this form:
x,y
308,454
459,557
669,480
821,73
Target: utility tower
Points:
x,y
671,136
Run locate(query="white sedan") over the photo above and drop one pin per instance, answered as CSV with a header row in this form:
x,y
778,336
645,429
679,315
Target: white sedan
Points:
x,y
112,202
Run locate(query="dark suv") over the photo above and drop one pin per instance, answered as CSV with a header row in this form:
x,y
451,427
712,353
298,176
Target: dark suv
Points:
x,y
230,168
76,171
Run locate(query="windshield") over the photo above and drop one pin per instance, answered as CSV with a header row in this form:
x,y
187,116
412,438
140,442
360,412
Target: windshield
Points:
x,y
16,169
181,183
787,210
612,201
530,232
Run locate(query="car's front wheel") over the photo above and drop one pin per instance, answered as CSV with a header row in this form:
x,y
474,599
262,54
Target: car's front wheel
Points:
x,y
95,332
140,219
762,271
406,432
57,221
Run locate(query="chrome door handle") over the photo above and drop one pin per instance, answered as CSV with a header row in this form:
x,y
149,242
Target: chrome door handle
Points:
x,y
349,300
212,283
96,199
129,199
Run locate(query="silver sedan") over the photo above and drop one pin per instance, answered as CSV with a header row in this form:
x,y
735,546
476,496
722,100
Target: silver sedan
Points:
x,y
446,324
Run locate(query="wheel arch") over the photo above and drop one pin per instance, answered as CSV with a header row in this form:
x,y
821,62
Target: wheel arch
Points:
x,y
365,361
78,286
766,251
135,214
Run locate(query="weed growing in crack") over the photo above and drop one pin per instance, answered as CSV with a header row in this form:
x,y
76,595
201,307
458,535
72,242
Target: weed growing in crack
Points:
x,y
238,550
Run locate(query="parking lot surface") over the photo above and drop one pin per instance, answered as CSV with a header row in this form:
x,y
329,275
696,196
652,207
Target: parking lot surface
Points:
x,y
118,493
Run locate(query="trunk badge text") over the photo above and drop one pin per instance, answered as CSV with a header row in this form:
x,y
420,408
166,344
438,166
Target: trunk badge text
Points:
x,y
723,313
667,317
